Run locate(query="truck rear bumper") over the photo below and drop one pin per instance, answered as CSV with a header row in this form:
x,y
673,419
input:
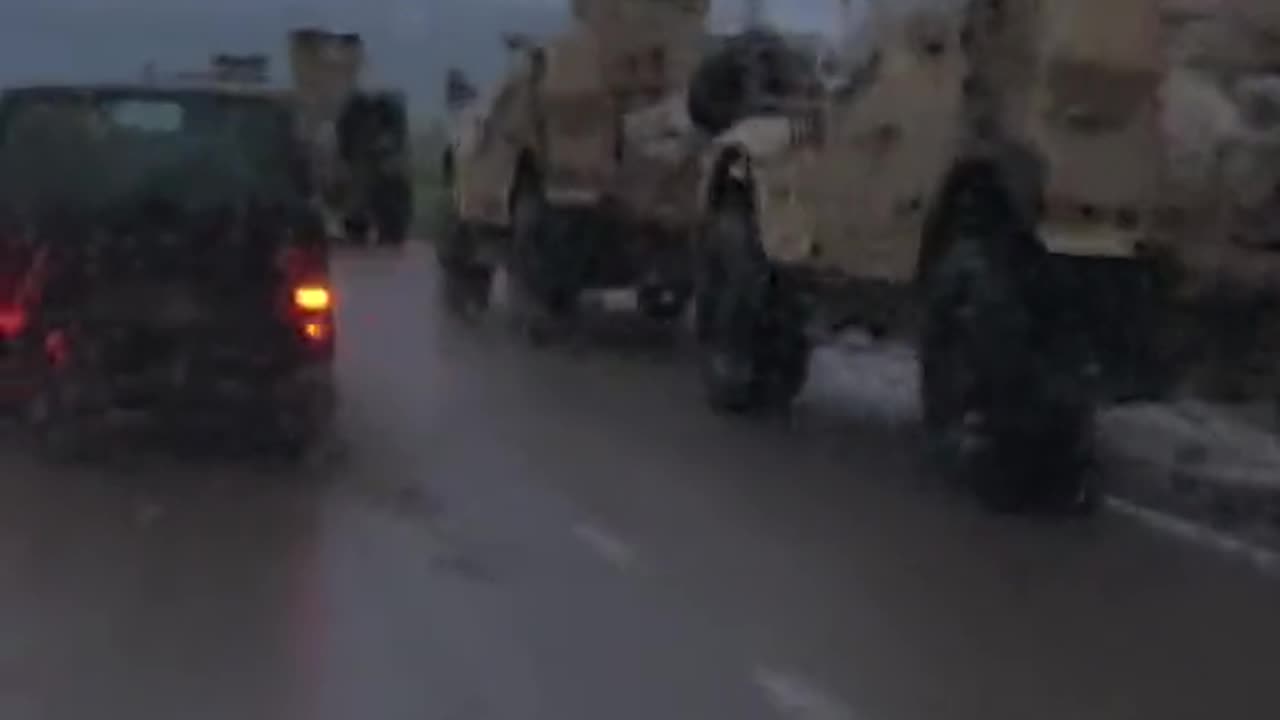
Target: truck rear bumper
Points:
x,y
178,389
618,249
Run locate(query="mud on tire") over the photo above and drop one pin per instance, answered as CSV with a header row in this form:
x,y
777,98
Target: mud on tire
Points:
x,y
1006,408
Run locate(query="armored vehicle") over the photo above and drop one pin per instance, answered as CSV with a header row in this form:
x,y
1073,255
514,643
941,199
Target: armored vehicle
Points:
x,y
982,178
373,146
579,171
358,137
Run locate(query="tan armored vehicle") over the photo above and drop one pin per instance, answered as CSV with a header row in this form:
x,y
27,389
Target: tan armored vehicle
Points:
x,y
578,171
985,178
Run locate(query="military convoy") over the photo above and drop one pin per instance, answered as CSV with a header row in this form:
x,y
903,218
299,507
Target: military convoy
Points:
x,y
986,179
991,181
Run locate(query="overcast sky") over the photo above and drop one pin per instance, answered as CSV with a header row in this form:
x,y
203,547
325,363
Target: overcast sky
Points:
x,y
411,41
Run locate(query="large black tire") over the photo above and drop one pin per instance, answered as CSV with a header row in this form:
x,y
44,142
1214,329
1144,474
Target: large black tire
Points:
x,y
662,304
1007,407
545,283
750,326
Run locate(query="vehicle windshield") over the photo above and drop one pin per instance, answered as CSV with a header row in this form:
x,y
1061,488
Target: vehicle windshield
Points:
x,y
96,150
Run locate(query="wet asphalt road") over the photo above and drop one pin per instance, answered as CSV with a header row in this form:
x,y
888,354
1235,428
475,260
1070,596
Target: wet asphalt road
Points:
x,y
565,534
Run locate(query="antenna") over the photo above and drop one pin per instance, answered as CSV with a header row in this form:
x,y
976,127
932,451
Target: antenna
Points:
x,y
753,14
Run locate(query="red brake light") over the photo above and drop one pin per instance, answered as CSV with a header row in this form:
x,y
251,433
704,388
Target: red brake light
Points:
x,y
312,298
12,321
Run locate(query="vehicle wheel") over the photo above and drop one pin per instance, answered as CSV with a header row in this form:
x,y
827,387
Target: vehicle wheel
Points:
x,y
1004,403
662,304
544,287
753,352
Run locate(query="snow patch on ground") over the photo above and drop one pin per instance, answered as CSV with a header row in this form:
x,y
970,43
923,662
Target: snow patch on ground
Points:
x,y
881,382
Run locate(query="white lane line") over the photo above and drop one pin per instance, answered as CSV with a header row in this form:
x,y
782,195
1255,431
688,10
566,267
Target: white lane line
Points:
x,y
606,545
795,698
1261,558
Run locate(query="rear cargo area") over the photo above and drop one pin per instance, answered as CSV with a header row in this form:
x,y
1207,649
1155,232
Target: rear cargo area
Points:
x,y
183,295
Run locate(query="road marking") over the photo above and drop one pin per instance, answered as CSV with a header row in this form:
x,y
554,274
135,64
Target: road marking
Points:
x,y
797,699
1261,558
606,545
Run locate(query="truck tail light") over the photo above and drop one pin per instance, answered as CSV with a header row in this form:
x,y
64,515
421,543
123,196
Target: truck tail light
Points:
x,y
313,315
13,321
312,298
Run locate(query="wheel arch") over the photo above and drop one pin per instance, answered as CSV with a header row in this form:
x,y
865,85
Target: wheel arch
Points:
x,y
731,166
527,168
1012,180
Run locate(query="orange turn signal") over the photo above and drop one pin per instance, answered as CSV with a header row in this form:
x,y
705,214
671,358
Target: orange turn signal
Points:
x,y
316,331
312,298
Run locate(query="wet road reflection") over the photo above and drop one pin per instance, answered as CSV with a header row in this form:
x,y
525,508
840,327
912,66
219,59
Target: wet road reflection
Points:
x,y
566,534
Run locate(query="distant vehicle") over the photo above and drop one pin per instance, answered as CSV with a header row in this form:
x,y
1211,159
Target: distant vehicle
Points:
x,y
357,138
373,145
168,262
578,171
